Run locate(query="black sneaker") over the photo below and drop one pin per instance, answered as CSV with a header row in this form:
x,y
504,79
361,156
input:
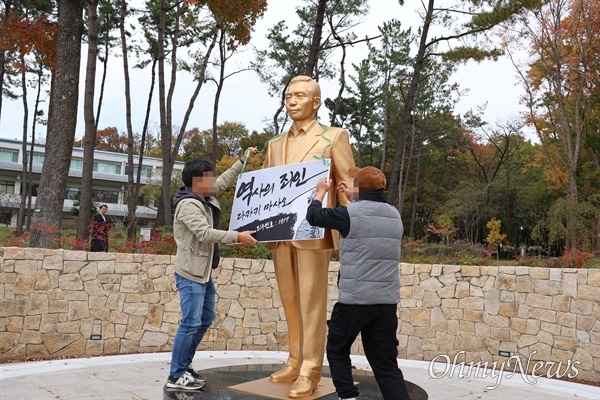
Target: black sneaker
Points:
x,y
197,377
185,381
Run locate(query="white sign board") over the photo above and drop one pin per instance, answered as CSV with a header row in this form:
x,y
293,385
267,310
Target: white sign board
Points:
x,y
273,201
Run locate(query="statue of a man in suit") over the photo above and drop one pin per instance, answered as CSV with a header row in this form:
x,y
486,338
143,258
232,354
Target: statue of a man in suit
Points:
x,y
301,267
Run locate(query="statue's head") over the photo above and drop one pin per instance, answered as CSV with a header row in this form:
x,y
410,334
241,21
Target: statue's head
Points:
x,y
303,98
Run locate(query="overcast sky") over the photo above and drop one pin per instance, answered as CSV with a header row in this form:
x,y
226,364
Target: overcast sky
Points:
x,y
245,99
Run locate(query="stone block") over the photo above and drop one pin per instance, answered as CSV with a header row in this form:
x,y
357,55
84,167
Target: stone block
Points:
x,y
251,319
462,289
437,319
540,273
581,306
585,323
594,277
153,339
38,304
471,303
230,291
407,269
268,315
538,301
585,359
24,284
78,310
470,270
419,317
508,309
565,343
501,334
566,319
553,329
409,280
42,281
587,292
505,281
447,292
569,285
556,274
57,342
452,313
524,284
53,262
137,309
473,315
447,280
544,315
561,303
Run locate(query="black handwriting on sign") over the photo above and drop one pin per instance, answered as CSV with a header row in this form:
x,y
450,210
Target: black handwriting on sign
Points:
x,y
293,178
247,190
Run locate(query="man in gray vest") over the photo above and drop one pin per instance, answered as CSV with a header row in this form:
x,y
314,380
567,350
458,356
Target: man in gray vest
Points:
x,y
369,281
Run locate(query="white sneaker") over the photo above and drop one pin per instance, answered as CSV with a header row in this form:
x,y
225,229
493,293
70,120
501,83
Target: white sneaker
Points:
x,y
185,381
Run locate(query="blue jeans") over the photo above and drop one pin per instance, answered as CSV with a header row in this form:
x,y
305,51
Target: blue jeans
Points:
x,y
198,311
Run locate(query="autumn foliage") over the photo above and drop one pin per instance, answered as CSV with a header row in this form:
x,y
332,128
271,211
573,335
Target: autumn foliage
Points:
x,y
23,35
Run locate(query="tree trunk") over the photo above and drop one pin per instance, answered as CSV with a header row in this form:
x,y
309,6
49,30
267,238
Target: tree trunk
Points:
x,y
104,69
315,46
85,195
33,124
165,131
131,200
62,121
166,114
410,103
338,99
416,195
145,130
222,59
7,6
21,214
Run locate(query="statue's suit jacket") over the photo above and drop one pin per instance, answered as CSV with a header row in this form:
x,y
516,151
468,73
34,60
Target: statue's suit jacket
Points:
x,y
316,143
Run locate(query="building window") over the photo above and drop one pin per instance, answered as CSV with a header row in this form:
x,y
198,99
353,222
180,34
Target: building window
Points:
x,y
9,156
105,196
7,187
107,168
146,171
72,193
76,164
38,159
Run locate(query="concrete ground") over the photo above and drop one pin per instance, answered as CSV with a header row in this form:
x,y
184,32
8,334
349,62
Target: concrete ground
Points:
x,y
142,376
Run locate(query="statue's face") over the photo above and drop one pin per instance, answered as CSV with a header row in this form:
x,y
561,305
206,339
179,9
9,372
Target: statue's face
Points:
x,y
300,103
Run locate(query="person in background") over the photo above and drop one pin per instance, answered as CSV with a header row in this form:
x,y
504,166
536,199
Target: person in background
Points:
x,y
369,281
100,227
195,228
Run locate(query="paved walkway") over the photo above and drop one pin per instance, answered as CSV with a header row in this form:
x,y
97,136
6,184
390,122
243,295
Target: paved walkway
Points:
x,y
142,376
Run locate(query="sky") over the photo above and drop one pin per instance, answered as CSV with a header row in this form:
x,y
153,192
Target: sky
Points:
x,y
245,99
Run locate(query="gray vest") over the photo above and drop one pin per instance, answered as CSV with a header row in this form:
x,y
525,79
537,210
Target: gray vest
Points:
x,y
370,254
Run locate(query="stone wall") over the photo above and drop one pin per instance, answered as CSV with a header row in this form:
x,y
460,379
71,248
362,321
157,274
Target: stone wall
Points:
x,y
52,302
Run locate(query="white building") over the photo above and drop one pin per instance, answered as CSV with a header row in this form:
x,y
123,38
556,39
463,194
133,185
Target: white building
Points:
x,y
109,181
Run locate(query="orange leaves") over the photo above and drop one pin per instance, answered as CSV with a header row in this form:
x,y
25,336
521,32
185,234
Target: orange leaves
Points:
x,y
239,16
23,35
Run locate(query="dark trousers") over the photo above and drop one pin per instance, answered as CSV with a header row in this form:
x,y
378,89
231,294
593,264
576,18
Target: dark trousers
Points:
x,y
377,325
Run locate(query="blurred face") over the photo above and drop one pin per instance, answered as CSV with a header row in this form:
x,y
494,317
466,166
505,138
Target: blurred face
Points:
x,y
103,210
300,103
353,190
205,185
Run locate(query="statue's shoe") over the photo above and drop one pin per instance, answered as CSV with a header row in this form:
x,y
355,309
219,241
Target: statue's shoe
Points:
x,y
304,386
286,374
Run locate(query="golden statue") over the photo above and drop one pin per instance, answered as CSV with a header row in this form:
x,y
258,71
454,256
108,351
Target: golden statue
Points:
x,y
301,267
